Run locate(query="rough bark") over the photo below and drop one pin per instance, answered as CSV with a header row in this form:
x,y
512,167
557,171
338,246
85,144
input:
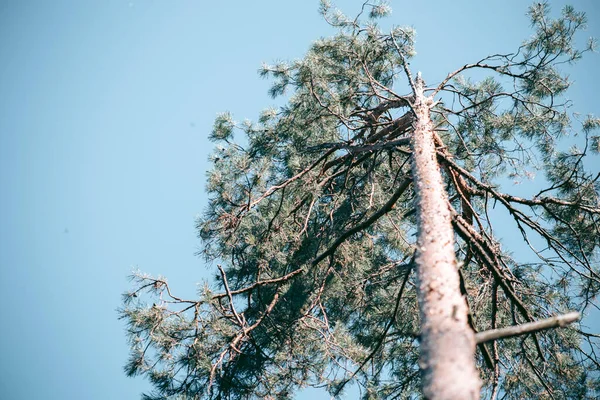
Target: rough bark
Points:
x,y
447,359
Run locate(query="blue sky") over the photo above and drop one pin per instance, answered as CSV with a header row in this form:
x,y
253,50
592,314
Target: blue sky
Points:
x,y
105,110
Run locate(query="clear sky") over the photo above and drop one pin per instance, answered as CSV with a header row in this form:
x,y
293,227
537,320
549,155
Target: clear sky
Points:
x,y
105,110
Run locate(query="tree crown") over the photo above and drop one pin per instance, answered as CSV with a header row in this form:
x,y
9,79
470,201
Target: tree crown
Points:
x,y
312,226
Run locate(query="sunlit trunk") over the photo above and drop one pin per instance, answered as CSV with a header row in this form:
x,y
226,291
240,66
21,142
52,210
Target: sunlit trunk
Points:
x,y
447,358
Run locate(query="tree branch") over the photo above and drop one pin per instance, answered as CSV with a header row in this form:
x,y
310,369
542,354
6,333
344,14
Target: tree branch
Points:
x,y
374,217
530,327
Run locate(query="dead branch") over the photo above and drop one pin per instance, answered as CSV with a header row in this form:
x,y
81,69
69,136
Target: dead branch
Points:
x,y
529,327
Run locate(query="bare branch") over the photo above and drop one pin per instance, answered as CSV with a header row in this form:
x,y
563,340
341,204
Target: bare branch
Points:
x,y
530,327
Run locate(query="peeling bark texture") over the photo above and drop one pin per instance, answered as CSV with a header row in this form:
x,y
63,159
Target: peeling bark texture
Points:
x,y
447,359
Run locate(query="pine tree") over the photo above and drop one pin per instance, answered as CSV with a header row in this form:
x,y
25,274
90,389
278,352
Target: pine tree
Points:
x,y
353,232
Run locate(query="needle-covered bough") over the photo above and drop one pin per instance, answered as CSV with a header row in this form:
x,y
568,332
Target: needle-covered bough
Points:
x,y
356,232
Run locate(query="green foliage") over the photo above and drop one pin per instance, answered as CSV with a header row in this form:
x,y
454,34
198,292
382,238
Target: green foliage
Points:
x,y
223,129
312,226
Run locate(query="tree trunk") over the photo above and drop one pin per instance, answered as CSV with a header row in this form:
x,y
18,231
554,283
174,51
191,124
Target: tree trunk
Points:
x,y
447,358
